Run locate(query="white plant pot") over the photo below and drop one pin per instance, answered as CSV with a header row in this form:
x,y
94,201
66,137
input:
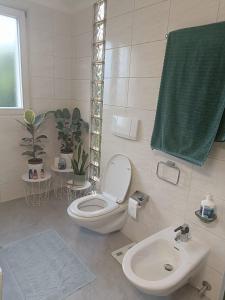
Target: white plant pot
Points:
x,y
36,170
67,157
79,180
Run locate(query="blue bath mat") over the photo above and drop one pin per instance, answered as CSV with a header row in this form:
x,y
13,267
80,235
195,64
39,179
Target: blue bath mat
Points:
x,y
41,267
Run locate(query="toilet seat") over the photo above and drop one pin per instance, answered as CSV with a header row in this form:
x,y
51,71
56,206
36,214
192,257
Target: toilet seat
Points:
x,y
101,203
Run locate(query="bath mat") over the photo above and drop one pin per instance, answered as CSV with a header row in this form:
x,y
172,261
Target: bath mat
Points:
x,y
42,267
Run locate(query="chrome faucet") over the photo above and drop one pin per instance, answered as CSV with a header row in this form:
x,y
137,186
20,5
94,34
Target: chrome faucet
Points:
x,y
182,233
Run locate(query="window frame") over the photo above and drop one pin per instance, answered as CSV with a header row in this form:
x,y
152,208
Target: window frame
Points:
x,y
20,16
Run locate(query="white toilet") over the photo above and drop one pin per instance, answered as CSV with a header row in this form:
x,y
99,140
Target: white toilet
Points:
x,y
105,212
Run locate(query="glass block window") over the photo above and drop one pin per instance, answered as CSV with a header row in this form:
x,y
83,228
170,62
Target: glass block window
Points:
x,y
97,88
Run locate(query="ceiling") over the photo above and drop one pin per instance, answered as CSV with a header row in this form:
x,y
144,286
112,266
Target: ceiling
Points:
x,y
70,6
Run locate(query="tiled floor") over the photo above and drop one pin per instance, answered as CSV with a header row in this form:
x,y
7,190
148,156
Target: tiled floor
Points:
x,y
17,221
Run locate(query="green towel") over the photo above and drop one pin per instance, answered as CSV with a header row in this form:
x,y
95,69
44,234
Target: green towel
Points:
x,y
190,113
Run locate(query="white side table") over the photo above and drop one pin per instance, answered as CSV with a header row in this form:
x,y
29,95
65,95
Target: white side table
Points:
x,y
37,190
61,177
74,192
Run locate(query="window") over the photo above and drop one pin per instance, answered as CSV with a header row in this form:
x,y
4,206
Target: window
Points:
x,y
97,88
12,58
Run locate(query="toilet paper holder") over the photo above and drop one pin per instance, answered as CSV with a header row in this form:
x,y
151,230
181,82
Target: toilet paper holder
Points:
x,y
140,197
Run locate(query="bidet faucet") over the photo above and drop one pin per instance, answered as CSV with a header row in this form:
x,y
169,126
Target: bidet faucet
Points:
x,y
183,234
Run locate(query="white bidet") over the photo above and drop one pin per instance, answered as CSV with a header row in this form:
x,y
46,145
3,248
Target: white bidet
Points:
x,y
159,265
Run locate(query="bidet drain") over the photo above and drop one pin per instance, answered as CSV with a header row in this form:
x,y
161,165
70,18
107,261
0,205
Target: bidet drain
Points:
x,y
168,267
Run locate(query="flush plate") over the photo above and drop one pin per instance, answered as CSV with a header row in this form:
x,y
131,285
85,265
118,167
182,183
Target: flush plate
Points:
x,y
119,254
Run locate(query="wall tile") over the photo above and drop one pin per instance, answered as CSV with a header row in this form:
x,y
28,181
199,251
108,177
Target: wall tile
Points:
x,y
143,93
42,65
210,177
62,24
119,7
211,275
82,45
192,13
41,18
170,199
41,42
147,59
82,23
221,15
62,88
150,23
218,151
136,233
142,3
81,68
215,257
42,87
81,90
115,91
62,46
117,62
118,31
62,68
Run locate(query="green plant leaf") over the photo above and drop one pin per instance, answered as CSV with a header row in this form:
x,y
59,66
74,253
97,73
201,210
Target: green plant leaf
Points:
x,y
41,153
29,116
42,136
29,127
66,113
84,160
28,153
26,139
79,152
29,145
59,114
76,115
75,166
37,148
39,119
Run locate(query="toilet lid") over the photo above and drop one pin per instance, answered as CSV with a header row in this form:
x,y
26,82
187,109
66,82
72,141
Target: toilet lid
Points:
x,y
117,177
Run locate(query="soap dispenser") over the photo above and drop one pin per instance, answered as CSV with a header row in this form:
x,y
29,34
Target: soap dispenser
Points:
x,y
207,208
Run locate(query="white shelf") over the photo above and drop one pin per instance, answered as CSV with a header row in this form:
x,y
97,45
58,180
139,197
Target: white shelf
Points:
x,y
26,178
72,187
61,171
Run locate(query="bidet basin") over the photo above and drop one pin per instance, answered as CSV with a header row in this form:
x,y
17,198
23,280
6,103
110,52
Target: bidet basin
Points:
x,y
159,265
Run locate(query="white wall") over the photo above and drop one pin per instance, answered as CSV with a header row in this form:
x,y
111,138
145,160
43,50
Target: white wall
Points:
x,y
134,58
50,51
82,56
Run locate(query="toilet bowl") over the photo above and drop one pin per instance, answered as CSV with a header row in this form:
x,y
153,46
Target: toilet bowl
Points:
x,y
159,265
106,211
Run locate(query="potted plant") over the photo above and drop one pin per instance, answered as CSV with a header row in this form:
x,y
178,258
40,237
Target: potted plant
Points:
x,y
79,164
70,129
34,143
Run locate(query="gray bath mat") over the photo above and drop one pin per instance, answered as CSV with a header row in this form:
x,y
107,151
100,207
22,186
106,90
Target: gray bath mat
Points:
x,y
41,267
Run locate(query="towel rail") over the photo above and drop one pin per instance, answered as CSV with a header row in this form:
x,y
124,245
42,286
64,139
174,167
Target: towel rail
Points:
x,y
170,164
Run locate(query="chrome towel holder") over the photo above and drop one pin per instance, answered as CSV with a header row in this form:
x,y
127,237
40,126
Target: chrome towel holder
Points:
x,y
169,164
